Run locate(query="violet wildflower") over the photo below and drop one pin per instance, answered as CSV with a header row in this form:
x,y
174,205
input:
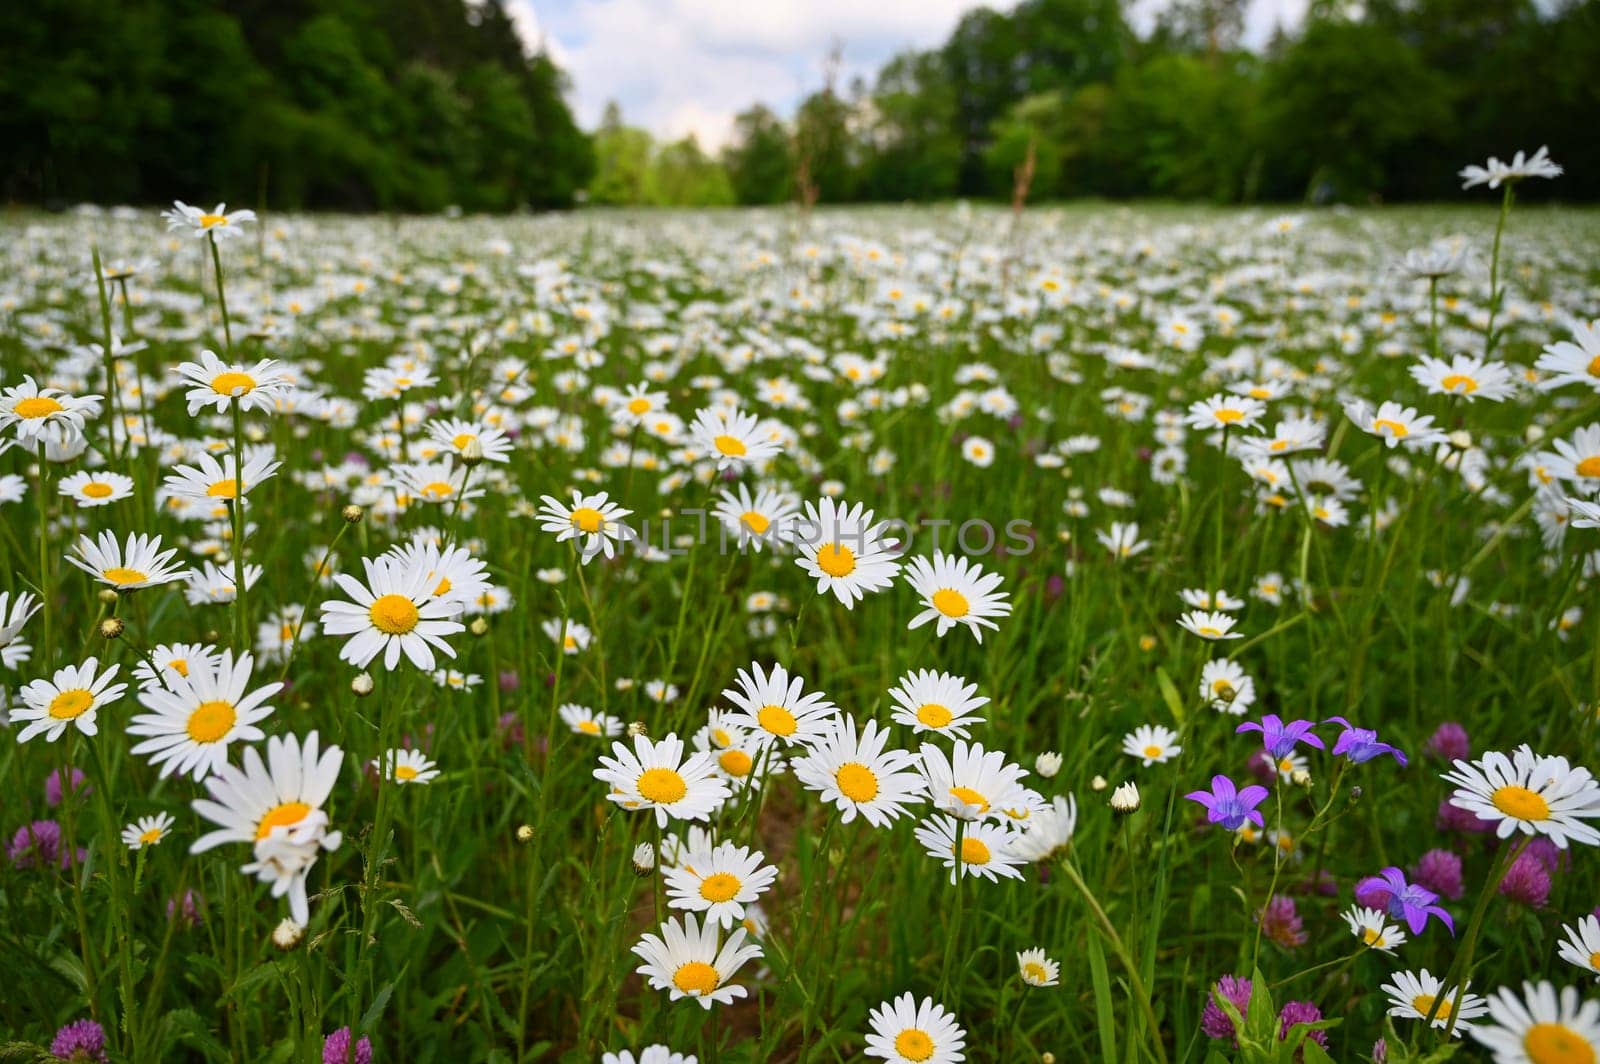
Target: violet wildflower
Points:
x,y
337,1048
1526,882
189,910
52,786
1281,737
1301,1012
1214,1023
1440,872
1449,741
1280,921
1361,744
1227,805
1380,1052
82,1042
1454,818
1411,902
39,845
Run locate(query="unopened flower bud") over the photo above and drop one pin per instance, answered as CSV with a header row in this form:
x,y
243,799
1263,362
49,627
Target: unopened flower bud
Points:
x,y
472,453
213,636
1461,439
1125,799
1047,1058
637,729
1047,764
524,833
479,626
1300,778
351,514
111,628
286,936
644,859
1098,783
108,595
362,685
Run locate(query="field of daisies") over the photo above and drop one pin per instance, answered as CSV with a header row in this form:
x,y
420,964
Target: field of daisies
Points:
x,y
1095,634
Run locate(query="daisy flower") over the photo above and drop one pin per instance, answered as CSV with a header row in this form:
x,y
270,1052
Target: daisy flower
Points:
x,y
276,806
1048,831
1372,927
1541,1026
72,697
217,223
636,405
985,849
586,721
458,435
593,520
1209,625
1393,424
719,882
405,765
96,489
1037,969
215,383
36,413
1495,173
686,961
394,612
1581,947
1464,376
15,611
1223,411
440,483
656,1054
776,708
211,479
196,715
956,592
971,783
136,563
1577,460
978,451
735,439
858,775
767,516
211,584
1152,744
845,551
905,1032
1530,793
1122,540
655,775
1224,684
177,658
147,831
1414,995
929,701
573,639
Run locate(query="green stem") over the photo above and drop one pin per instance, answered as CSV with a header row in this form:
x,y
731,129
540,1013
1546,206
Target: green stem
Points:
x,y
1135,981
222,298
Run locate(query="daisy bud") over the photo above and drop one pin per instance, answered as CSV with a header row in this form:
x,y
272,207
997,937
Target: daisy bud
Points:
x,y
111,628
1300,778
644,859
1098,783
1461,439
1047,1058
524,833
1047,764
637,729
213,636
351,514
1125,799
472,453
286,936
479,626
1534,433
362,684
108,595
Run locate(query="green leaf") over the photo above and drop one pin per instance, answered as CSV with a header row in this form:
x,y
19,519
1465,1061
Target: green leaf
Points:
x,y
1312,1053
1260,1017
379,1003
1169,694
1105,1020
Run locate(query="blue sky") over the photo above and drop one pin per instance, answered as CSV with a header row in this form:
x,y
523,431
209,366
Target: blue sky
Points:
x,y
682,66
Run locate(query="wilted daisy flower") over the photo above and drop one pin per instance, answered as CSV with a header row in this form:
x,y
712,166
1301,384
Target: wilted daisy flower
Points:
x,y
1530,793
1152,744
147,831
656,776
96,489
211,479
954,592
593,520
906,1032
929,701
719,882
278,810
1037,969
394,612
215,383
1464,376
844,549
776,708
217,223
136,563
72,697
686,961
1209,625
37,414
1541,1026
1372,927
586,721
405,765
1414,995
1393,424
858,775
1581,947
971,783
734,439
196,715
755,519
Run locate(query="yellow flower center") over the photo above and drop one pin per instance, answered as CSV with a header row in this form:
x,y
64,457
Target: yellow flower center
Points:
x,y
224,489
933,715
1589,467
1372,937
118,575
1034,972
836,560
856,782
1519,803
1594,366
1555,1043
405,773
437,489
207,221
181,665
70,704
393,614
662,786
973,851
639,406
1393,428
1152,751
36,406
950,603
97,490
755,522
735,762
443,588
280,816
696,977
211,720
720,887
777,720
1459,382
731,446
968,796
913,1044
1423,1003
150,838
460,440
588,727
231,383
587,519
1228,415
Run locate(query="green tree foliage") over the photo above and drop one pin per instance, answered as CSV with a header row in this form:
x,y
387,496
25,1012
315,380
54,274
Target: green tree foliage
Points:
x,y
760,158
398,104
